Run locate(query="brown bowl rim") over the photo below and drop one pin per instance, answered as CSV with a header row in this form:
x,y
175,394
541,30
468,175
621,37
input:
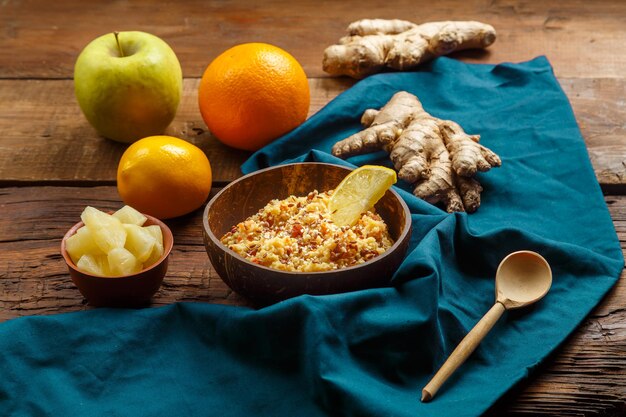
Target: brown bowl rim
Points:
x,y
398,242
166,251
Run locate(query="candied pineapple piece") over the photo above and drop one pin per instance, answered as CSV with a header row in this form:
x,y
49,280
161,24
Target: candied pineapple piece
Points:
x,y
82,243
155,255
94,264
129,215
108,232
139,241
122,262
155,230
157,251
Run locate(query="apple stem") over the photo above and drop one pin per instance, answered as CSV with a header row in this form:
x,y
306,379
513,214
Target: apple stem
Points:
x,y
119,46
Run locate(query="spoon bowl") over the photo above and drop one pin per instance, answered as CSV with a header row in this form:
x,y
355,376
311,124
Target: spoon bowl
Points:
x,y
522,278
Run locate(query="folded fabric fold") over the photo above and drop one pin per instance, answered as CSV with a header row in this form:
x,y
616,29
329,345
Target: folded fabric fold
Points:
x,y
366,353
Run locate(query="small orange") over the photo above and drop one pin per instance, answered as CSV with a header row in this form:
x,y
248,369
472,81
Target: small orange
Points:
x,y
164,176
253,93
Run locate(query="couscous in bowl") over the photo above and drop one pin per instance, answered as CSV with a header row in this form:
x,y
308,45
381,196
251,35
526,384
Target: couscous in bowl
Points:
x,y
246,196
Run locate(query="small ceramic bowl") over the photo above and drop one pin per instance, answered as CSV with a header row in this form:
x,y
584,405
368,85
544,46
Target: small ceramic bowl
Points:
x,y
245,196
125,291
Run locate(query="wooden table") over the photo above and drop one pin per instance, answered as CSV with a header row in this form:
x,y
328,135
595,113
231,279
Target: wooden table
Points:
x,y
52,163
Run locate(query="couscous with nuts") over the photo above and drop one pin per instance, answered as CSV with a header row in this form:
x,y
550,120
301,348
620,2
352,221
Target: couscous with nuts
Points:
x,y
297,234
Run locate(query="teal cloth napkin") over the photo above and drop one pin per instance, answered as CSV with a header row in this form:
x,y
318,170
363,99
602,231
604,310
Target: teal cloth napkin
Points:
x,y
366,353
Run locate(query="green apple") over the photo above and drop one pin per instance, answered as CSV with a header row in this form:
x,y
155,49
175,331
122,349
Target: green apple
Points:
x,y
128,85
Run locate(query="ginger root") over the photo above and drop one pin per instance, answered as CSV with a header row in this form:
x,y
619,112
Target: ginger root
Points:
x,y
374,44
435,154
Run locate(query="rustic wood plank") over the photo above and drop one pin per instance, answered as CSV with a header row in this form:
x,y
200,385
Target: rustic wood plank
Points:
x,y
41,39
586,376
600,110
45,137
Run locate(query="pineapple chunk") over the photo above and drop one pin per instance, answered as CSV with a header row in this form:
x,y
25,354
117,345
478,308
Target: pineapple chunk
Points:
x,y
139,241
122,262
129,215
157,251
155,230
95,265
108,232
155,255
82,243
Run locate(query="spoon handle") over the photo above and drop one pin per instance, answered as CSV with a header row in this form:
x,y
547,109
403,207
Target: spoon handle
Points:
x,y
463,350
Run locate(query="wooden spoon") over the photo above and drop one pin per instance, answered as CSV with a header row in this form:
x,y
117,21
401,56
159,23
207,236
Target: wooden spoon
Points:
x,y
522,278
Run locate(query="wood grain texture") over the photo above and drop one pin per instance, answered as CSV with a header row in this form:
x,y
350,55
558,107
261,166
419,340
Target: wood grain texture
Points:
x,y
46,139
600,108
580,37
584,377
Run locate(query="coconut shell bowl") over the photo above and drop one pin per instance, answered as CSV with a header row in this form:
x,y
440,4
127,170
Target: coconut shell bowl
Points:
x,y
262,285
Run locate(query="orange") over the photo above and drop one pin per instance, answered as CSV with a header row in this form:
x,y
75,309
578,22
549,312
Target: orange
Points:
x,y
253,93
164,176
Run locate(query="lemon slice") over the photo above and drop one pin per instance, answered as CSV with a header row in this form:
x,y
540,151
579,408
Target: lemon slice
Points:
x,y
358,192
